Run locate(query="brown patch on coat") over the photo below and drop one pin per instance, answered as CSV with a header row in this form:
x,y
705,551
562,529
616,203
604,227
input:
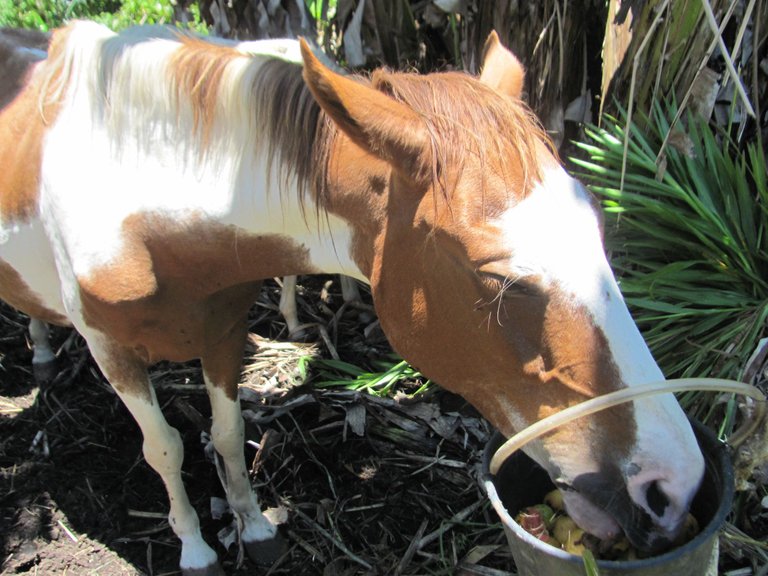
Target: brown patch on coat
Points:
x,y
22,129
18,294
177,291
531,354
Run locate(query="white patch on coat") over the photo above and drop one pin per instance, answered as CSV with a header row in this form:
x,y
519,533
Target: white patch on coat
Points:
x,y
116,150
25,247
554,234
42,353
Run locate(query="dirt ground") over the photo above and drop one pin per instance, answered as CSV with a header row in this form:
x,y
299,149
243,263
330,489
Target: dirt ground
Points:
x,y
364,485
77,498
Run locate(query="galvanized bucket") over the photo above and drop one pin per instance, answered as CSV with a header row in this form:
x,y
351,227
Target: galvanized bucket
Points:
x,y
520,482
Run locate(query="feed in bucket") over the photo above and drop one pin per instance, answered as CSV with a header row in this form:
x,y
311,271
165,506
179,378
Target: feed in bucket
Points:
x,y
550,523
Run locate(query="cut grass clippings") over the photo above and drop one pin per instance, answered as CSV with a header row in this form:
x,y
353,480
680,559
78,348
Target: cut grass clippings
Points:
x,y
400,376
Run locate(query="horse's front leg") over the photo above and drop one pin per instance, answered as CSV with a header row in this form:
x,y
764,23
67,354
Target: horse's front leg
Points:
x,y
163,450
221,368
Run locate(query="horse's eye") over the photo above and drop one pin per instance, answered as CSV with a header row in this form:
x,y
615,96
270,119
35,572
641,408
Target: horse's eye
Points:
x,y
522,288
510,286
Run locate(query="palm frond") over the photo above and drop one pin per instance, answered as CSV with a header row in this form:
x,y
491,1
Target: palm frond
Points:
x,y
688,238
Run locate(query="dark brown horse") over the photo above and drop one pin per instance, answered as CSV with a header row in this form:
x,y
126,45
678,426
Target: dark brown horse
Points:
x,y
150,181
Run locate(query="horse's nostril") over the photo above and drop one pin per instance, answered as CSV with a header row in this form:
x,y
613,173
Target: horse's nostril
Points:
x,y
657,500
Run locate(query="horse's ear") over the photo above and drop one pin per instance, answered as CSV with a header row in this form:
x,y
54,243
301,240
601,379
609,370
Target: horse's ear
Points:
x,y
374,121
502,71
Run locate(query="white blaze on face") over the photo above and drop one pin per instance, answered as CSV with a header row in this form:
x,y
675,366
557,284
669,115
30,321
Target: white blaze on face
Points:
x,y
554,235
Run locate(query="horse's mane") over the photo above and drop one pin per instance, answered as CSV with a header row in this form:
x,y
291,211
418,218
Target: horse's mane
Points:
x,y
217,98
467,117
211,97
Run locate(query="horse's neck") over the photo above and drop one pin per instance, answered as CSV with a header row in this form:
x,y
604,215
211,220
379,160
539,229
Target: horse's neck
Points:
x,y
355,199
232,186
258,198
279,209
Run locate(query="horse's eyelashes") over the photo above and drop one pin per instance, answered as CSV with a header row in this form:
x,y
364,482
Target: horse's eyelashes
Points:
x,y
494,282
509,286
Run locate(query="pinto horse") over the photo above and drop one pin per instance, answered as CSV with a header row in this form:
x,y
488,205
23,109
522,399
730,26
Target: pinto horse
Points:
x,y
151,180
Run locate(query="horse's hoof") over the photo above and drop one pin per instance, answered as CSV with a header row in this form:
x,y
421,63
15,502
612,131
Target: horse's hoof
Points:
x,y
214,569
44,372
299,335
266,552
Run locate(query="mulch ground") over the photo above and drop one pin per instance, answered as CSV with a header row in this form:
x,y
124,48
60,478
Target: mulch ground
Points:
x,y
362,485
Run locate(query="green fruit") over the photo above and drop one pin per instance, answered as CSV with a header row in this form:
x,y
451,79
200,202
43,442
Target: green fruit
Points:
x,y
563,527
554,500
574,544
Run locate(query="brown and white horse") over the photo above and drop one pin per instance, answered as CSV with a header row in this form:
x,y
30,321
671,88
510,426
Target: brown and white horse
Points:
x,y
149,182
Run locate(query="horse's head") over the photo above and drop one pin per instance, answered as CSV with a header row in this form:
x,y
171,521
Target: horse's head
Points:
x,y
488,274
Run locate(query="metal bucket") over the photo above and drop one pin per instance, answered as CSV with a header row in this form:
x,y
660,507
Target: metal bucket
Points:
x,y
521,482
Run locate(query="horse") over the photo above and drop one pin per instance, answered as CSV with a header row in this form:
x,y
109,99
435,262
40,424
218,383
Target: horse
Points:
x,y
152,179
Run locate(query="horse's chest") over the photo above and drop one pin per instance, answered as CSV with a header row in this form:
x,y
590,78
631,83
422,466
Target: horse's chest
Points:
x,y
173,324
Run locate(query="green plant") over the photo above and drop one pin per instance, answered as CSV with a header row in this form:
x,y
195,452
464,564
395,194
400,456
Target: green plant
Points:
x,y
138,12
38,14
390,377
322,10
47,14
688,238
590,564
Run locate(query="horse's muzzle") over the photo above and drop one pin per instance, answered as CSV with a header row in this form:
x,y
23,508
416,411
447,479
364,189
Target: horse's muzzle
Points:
x,y
612,498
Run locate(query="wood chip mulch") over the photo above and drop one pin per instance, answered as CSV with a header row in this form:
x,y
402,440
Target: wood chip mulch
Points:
x,y
360,484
